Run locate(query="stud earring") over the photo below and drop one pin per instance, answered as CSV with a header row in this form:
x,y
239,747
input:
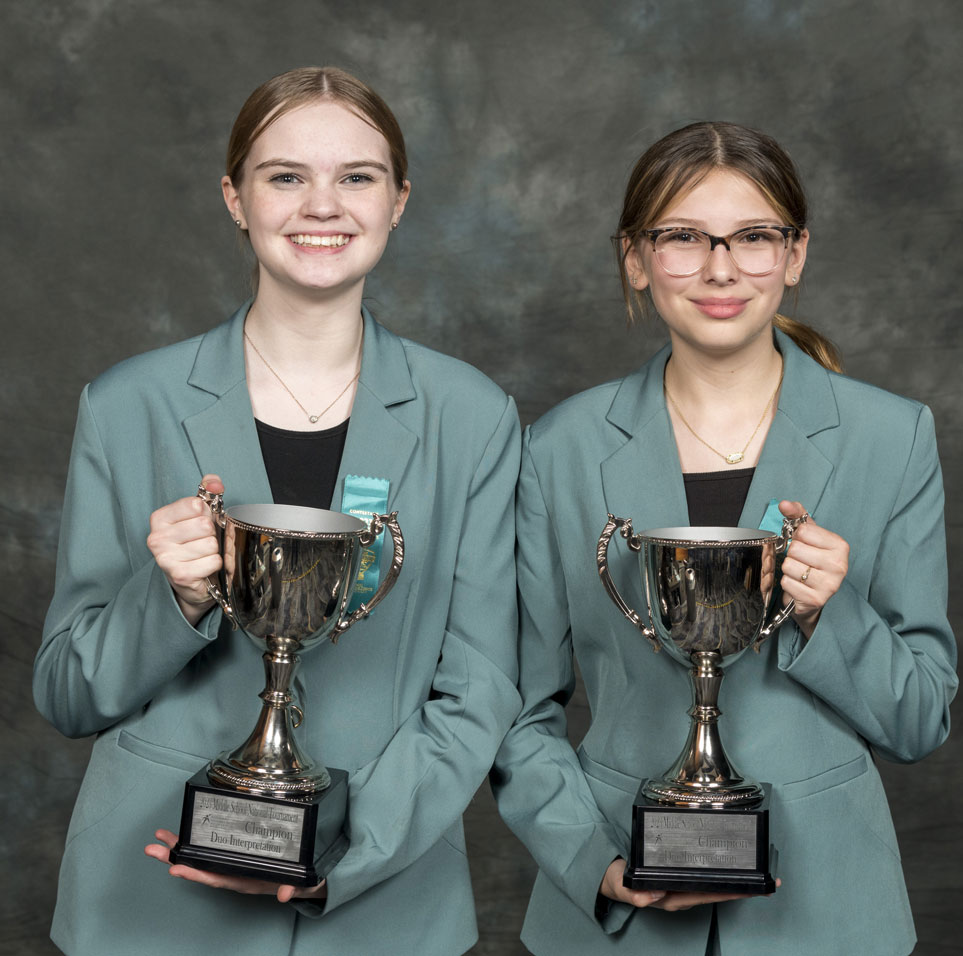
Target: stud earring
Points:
x,y
394,226
237,222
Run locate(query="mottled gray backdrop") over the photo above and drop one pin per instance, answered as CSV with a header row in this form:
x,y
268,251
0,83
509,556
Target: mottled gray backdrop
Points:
x,y
522,120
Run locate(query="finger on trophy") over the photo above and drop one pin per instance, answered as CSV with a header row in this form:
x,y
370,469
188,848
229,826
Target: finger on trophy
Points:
x,y
284,892
213,483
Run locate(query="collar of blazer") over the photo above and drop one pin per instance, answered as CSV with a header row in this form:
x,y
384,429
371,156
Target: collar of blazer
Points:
x,y
642,478
224,437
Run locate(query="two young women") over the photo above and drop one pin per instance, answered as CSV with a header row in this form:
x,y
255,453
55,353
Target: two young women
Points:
x,y
416,702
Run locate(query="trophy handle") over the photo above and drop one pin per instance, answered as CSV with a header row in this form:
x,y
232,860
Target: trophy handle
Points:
x,y
378,524
624,526
216,503
789,526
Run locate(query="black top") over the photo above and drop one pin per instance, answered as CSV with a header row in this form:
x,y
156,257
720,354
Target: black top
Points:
x,y
716,498
302,467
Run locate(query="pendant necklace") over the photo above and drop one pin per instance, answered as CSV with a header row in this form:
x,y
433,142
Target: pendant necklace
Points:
x,y
737,456
311,418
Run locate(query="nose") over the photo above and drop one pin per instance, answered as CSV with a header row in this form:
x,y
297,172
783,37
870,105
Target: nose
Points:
x,y
322,201
719,266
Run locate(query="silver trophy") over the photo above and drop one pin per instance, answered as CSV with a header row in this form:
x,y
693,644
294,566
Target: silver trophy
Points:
x,y
709,596
267,809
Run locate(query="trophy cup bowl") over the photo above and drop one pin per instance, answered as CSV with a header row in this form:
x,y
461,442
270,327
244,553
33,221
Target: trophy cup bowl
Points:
x,y
709,596
267,809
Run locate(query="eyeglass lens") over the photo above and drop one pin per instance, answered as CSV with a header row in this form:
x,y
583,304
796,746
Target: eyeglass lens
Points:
x,y
755,251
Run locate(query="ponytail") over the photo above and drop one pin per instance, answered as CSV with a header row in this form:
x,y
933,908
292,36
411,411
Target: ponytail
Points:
x,y
816,346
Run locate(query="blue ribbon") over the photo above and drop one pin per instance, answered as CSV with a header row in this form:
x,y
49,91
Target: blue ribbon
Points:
x,y
772,519
364,497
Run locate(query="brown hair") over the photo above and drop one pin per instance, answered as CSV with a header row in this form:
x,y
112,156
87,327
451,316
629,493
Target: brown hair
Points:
x,y
679,161
296,88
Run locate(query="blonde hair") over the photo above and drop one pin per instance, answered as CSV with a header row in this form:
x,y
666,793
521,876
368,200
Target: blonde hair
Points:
x,y
681,160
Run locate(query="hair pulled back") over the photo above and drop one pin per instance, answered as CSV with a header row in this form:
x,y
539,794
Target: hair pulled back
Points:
x,y
678,162
304,86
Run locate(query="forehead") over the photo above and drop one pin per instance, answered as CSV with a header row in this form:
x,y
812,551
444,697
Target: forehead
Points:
x,y
722,197
321,133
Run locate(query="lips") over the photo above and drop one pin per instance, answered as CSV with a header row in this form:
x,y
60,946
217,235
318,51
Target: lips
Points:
x,y
720,308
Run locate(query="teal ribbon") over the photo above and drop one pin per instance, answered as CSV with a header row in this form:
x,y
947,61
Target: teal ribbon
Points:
x,y
364,497
772,519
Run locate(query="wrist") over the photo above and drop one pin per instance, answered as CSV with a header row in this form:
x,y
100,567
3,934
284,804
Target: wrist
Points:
x,y
807,623
612,879
193,612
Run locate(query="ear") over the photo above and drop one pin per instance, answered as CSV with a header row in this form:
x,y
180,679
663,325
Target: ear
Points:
x,y
796,258
232,200
634,266
401,202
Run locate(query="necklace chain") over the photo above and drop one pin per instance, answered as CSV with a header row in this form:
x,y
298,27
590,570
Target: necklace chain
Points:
x,y
737,456
321,414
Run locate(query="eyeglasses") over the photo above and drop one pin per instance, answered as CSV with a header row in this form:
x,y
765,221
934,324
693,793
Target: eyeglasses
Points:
x,y
756,251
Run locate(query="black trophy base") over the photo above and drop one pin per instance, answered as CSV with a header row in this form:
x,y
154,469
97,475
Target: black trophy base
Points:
x,y
700,850
294,840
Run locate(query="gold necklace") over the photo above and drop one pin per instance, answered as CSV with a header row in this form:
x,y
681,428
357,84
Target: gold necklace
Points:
x,y
311,418
736,456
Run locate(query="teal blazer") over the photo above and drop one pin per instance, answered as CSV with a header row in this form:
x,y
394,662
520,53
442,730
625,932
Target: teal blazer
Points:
x,y
413,701
876,677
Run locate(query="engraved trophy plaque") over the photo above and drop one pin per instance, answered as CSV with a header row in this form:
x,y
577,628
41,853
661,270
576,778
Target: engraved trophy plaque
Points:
x,y
702,826
266,809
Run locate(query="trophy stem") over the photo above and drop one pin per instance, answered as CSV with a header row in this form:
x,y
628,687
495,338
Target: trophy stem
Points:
x,y
703,775
270,760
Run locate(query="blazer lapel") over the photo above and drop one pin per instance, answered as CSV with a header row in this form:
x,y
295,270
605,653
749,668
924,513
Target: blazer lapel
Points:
x,y
223,435
378,444
791,465
642,478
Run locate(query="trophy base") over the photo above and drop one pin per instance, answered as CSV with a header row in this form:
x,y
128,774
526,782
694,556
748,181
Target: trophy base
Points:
x,y
295,840
700,849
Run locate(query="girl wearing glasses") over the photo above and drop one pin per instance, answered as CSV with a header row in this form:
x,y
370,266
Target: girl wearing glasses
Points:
x,y
743,413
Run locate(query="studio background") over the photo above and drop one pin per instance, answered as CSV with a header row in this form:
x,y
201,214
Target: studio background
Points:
x,y
522,121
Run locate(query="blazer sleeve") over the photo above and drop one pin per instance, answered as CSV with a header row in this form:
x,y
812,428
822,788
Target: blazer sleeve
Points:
x,y
886,662
538,782
404,801
113,633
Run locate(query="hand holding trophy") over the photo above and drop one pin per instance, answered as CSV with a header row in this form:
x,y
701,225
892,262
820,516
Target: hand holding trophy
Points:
x,y
702,826
266,809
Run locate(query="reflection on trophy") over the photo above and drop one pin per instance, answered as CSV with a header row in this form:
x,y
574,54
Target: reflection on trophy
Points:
x,y
266,809
702,826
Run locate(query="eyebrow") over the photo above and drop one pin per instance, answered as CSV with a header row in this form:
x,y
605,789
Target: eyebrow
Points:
x,y
292,164
366,164
742,224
